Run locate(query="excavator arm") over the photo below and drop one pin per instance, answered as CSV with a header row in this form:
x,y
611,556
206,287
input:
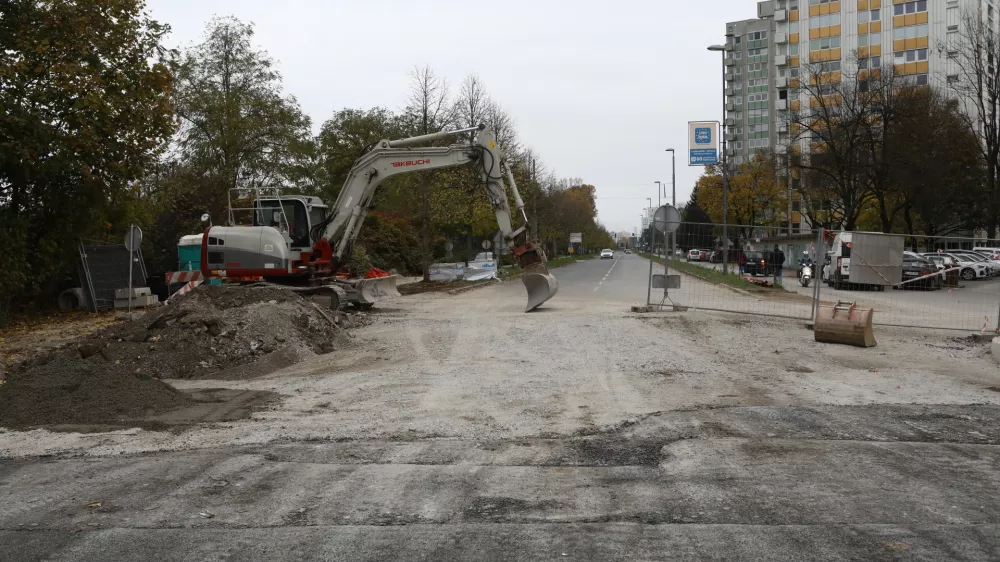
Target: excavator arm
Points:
x,y
335,236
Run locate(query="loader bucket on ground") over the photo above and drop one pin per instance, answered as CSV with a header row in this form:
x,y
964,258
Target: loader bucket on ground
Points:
x,y
541,286
370,291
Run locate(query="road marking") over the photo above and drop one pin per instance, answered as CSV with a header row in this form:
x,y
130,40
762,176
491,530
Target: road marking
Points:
x,y
605,276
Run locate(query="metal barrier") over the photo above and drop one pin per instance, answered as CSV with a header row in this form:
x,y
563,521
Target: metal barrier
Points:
x,y
939,282
103,268
914,281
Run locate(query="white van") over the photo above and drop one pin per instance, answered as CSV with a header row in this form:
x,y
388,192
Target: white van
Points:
x,y
839,272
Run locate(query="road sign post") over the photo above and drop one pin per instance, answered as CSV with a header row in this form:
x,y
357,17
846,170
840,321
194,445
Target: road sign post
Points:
x,y
132,242
666,219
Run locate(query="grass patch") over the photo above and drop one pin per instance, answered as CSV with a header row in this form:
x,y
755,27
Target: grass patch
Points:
x,y
710,275
513,271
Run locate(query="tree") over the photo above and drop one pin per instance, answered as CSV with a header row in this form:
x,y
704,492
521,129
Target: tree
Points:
x,y
977,51
939,171
236,124
755,197
85,91
347,136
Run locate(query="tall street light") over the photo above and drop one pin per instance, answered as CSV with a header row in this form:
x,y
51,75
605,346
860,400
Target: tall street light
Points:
x,y
725,172
673,198
673,177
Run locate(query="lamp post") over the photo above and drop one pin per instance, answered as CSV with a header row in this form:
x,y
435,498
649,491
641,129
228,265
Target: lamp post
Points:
x,y
725,172
673,196
673,177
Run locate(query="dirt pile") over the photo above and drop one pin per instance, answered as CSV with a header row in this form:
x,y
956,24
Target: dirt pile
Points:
x,y
216,332
69,391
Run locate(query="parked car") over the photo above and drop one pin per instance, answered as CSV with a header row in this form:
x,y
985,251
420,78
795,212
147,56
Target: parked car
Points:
x,y
692,255
993,259
991,267
704,255
919,271
968,270
608,254
627,251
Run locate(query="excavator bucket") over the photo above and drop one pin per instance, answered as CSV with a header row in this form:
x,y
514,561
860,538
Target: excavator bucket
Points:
x,y
541,286
370,291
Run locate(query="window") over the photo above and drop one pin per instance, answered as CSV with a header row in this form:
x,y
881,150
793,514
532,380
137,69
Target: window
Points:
x,y
863,40
910,31
863,16
953,79
910,7
876,62
876,14
875,39
793,49
825,20
794,72
913,55
862,64
921,79
796,205
793,27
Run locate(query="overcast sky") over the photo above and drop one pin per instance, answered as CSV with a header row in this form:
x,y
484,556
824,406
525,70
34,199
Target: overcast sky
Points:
x,y
598,89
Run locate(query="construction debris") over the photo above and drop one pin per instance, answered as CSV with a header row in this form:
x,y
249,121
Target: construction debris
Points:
x,y
71,391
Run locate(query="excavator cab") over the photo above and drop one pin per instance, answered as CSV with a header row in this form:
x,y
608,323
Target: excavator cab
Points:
x,y
294,214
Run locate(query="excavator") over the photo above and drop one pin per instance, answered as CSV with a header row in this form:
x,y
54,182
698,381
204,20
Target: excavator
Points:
x,y
297,241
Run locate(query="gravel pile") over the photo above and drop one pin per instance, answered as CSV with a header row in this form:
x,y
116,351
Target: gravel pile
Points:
x,y
227,332
69,391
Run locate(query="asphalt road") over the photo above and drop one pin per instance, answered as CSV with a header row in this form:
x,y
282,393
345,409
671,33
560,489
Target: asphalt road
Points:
x,y
459,428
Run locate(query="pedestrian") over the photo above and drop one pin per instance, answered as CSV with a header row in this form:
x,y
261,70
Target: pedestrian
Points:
x,y
741,259
778,261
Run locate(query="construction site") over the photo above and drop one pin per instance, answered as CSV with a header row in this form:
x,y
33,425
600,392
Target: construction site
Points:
x,y
244,416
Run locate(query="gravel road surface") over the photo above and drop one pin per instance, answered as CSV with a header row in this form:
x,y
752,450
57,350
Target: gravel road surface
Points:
x,y
459,428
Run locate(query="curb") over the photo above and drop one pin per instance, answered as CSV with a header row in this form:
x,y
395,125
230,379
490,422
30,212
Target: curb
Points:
x,y
461,290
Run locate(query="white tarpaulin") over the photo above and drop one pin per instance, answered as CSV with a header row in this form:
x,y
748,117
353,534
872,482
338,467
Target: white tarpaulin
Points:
x,y
447,271
479,270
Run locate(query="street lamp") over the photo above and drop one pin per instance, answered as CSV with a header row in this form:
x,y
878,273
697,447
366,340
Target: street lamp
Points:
x,y
673,177
725,173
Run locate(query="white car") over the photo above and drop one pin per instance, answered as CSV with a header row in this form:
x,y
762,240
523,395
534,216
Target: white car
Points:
x,y
609,254
968,270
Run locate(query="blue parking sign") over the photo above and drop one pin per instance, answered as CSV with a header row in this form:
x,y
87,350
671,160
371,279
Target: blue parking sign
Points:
x,y
703,147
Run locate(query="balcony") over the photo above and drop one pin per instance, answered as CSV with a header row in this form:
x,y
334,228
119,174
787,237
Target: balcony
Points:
x,y
730,92
730,137
730,106
780,104
782,127
730,61
730,77
781,15
781,82
781,60
780,38
730,121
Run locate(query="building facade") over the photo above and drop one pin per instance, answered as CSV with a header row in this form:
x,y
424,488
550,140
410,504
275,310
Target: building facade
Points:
x,y
767,56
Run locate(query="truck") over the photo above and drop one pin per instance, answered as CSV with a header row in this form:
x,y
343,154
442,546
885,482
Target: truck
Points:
x,y
864,259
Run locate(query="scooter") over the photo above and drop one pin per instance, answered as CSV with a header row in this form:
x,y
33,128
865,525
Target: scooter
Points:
x,y
805,275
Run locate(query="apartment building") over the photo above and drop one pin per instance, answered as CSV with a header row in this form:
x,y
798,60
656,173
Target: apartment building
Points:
x,y
766,56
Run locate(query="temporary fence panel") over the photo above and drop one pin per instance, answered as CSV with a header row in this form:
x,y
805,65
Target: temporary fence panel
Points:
x,y
749,275
104,268
956,289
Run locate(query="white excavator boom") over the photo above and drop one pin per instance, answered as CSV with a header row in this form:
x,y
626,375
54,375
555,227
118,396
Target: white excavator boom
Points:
x,y
393,157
